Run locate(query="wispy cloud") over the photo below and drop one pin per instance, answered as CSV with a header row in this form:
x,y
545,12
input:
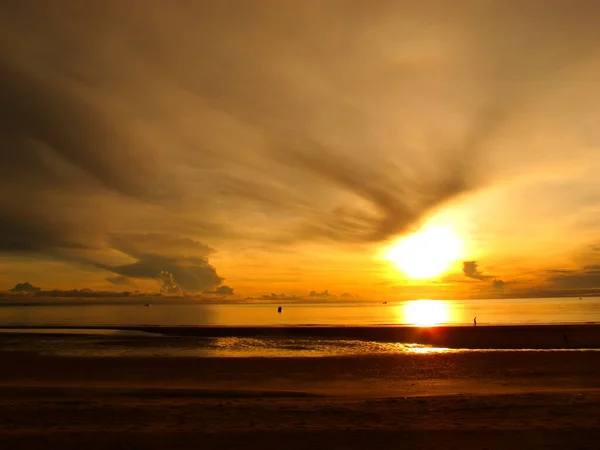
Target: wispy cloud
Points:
x,y
122,122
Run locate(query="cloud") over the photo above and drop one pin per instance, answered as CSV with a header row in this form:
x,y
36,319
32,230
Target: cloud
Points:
x,y
471,270
180,264
148,132
120,280
498,284
221,290
584,280
581,282
25,287
558,271
31,231
273,296
87,293
81,141
592,269
168,283
191,277
587,278
323,294
167,245
394,197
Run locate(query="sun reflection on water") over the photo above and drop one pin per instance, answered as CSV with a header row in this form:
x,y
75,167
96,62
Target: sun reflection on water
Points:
x,y
425,313
423,350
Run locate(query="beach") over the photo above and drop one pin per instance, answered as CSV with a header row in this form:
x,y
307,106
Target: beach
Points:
x,y
285,225
473,400
94,420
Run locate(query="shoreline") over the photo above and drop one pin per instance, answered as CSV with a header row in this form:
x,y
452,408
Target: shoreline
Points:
x,y
502,337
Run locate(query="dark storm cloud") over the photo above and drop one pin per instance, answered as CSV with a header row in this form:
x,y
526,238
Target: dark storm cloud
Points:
x,y
189,276
166,258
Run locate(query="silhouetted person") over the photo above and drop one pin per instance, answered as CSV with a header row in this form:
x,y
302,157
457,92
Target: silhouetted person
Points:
x,y
280,309
474,321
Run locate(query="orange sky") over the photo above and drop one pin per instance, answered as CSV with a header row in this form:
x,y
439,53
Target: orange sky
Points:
x,y
282,147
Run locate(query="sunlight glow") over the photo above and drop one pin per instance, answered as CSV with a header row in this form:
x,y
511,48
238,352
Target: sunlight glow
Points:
x,y
425,312
427,253
431,350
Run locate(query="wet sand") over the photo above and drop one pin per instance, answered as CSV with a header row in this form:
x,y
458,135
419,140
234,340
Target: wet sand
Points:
x,y
468,337
442,401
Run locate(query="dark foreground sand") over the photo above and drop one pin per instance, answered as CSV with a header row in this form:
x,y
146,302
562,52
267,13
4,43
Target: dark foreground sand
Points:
x,y
95,420
547,400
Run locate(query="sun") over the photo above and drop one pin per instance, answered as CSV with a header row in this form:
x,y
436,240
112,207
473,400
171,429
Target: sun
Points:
x,y
426,253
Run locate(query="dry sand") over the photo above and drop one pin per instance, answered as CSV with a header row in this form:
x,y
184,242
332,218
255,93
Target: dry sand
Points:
x,y
436,401
94,420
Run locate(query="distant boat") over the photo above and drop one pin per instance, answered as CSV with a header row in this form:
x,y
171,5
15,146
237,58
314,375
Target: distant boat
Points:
x,y
280,309
385,303
147,304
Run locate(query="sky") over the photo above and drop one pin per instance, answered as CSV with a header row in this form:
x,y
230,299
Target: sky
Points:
x,y
282,147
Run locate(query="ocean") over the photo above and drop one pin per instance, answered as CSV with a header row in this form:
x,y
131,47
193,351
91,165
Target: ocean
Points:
x,y
81,313
32,312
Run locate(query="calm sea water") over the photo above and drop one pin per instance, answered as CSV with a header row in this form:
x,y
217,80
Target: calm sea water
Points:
x,y
171,312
